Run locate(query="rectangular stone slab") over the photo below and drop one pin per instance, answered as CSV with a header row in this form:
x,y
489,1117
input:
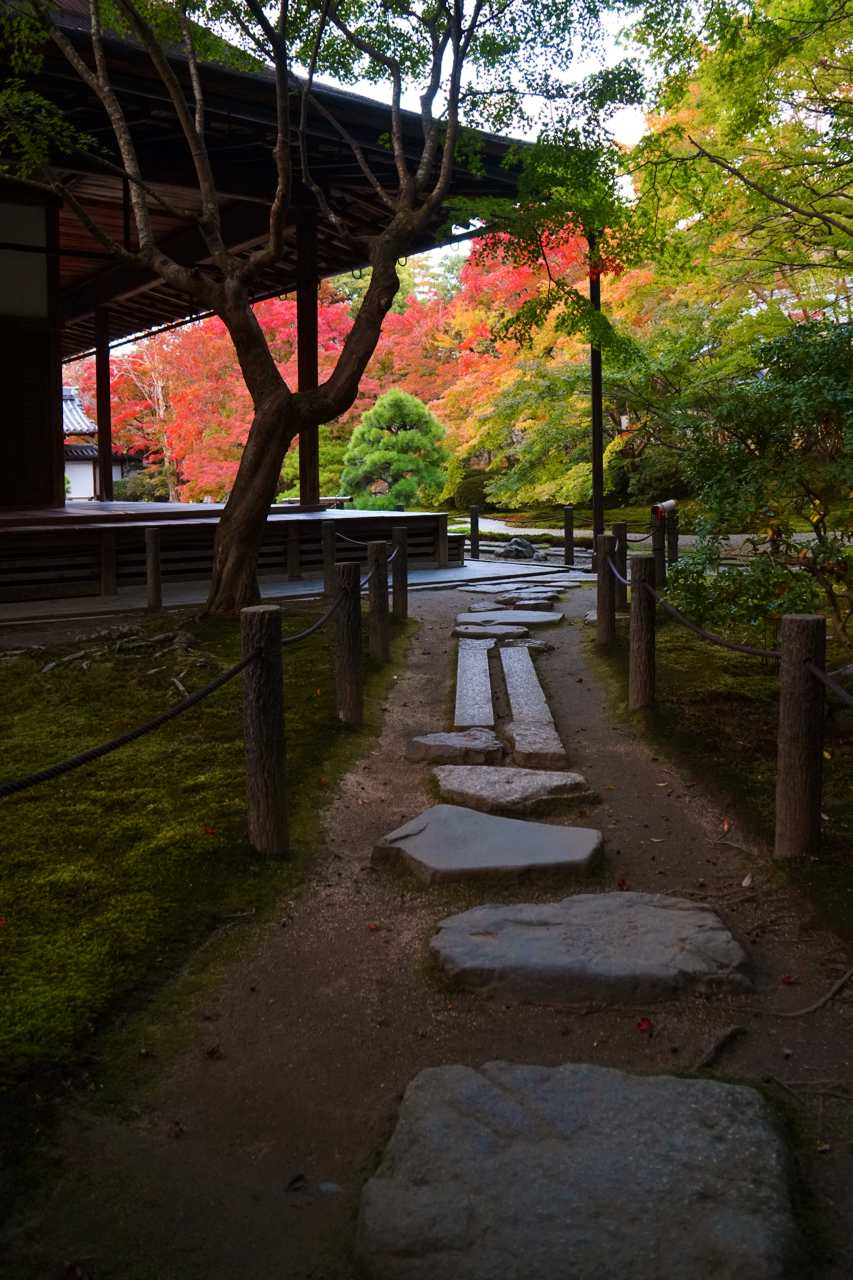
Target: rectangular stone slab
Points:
x,y
615,947
473,690
506,790
449,843
511,617
579,1172
536,743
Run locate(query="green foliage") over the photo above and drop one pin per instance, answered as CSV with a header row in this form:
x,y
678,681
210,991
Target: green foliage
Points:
x,y
471,492
398,441
143,486
333,448
657,474
353,285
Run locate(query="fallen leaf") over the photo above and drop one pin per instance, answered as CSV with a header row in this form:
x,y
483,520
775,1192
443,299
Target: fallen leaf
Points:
x,y
213,1051
746,882
609,788
210,831
827,755
373,927
298,1183
825,817
824,1146
788,979
580,681
325,781
656,839
725,824
622,884
646,1025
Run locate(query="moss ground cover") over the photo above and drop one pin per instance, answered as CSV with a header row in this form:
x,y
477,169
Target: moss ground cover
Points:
x,y
715,717
112,875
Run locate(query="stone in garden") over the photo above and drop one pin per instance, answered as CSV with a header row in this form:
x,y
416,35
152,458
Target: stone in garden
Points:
x,y
450,843
473,690
476,644
579,1172
546,555
516,549
511,617
616,947
536,746
507,790
542,604
500,631
474,747
591,618
535,646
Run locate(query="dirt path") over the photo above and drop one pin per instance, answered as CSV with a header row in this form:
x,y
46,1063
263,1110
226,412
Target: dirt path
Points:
x,y
322,1029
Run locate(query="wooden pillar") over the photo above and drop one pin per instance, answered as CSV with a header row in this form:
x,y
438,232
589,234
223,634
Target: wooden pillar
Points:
x,y
349,690
377,594
620,559
294,573
442,553
400,573
102,400
569,534
641,662
263,728
306,350
659,551
605,624
327,532
596,397
109,577
800,742
474,533
153,574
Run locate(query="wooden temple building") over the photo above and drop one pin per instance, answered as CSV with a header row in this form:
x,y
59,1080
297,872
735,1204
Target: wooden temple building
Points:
x,y
62,296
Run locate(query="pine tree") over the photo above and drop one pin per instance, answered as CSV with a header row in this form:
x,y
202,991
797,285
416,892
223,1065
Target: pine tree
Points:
x,y
398,441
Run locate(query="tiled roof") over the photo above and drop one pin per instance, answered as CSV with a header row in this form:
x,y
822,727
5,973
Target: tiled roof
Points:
x,y
74,420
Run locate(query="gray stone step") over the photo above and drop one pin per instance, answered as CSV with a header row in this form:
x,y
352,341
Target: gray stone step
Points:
x,y
473,690
471,747
508,790
579,1172
511,617
471,630
616,947
536,743
450,843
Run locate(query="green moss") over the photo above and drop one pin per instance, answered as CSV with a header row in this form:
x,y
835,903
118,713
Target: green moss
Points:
x,y
715,718
113,876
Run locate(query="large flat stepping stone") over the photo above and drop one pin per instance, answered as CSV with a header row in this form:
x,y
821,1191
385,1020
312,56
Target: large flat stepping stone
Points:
x,y
506,790
536,743
450,843
511,617
579,1172
473,690
470,631
616,947
473,747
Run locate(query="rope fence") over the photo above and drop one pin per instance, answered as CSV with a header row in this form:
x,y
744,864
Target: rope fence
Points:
x,y
803,682
263,687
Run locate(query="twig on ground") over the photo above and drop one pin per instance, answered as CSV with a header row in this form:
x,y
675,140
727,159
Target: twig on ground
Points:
x,y
717,1045
812,1008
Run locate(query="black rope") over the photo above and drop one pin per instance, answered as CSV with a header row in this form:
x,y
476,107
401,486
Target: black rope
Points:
x,y
316,627
708,635
355,541
95,753
829,682
617,574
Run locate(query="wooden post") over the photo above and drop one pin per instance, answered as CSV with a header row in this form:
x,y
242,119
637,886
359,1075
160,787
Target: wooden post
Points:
x,y
263,727
103,408
620,559
442,554
348,678
569,534
293,571
109,579
377,595
328,534
474,533
641,663
605,625
153,573
672,537
400,574
659,552
800,744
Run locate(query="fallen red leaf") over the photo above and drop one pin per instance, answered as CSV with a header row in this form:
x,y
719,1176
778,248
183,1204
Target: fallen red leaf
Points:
x,y
645,1024
788,979
580,680
373,927
325,781
210,831
622,884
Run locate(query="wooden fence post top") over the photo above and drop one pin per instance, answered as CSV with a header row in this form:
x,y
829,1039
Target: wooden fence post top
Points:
x,y
642,568
260,608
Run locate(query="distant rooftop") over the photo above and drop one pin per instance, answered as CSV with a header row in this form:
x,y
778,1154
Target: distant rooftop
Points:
x,y
74,419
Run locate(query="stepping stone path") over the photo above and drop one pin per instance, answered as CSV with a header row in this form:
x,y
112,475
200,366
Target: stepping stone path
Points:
x,y
535,646
616,947
510,617
450,843
539,604
473,747
579,1172
472,631
473,690
506,790
536,744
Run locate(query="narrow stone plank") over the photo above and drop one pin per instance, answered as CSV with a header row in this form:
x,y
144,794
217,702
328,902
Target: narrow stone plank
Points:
x,y
536,743
473,691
